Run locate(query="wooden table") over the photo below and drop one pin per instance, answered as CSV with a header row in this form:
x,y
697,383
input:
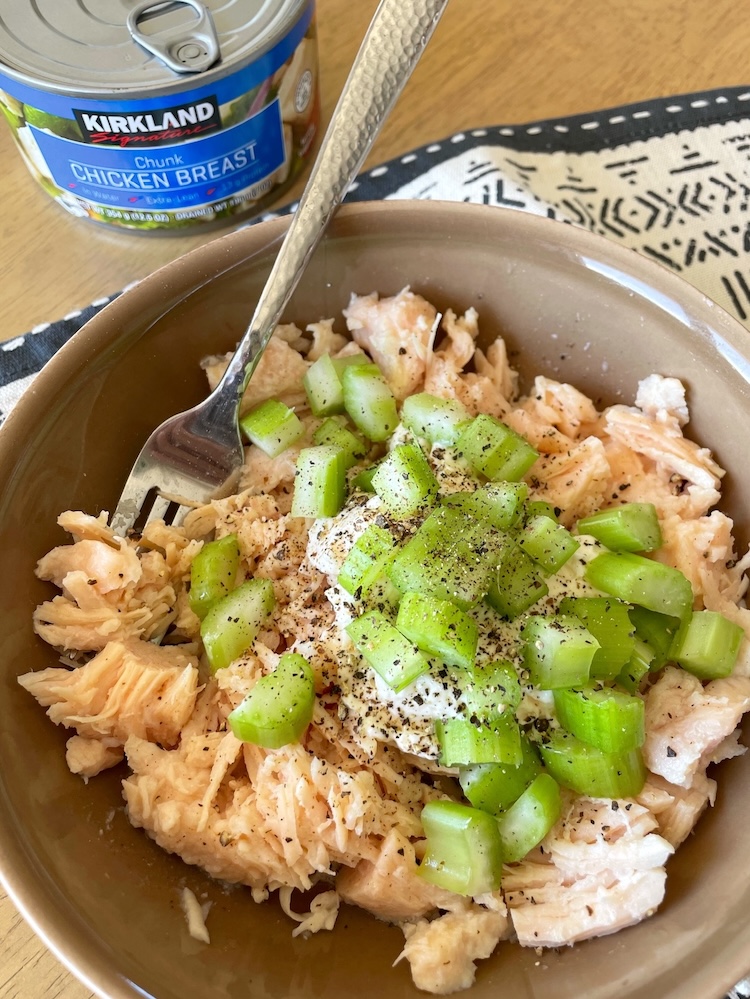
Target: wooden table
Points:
x,y
490,62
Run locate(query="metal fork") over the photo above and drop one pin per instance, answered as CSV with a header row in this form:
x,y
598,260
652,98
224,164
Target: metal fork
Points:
x,y
197,455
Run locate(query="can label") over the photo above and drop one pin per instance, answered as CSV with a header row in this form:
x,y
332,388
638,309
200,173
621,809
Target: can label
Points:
x,y
152,128
195,154
234,165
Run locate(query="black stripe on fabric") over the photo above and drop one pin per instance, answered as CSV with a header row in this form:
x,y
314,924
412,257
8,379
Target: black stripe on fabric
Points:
x,y
644,120
36,349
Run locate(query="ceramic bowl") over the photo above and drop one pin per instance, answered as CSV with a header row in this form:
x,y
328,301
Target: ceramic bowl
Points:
x,y
572,306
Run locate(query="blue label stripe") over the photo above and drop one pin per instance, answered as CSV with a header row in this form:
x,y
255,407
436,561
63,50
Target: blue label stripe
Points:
x,y
168,178
227,88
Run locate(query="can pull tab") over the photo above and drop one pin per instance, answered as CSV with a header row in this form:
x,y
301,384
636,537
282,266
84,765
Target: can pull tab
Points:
x,y
185,47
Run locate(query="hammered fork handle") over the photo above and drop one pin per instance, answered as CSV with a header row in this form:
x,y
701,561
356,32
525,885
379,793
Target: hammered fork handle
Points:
x,y
196,455
396,38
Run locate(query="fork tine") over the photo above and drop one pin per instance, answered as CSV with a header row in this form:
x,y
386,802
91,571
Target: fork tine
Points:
x,y
162,508
168,510
128,509
159,509
179,515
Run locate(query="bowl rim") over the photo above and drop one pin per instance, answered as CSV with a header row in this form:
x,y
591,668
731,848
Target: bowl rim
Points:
x,y
190,271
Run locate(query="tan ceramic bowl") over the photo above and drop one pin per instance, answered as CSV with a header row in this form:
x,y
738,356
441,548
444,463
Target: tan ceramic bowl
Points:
x,y
574,307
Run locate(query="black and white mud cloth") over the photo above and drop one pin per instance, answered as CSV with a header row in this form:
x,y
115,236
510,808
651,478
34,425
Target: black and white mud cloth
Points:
x,y
669,178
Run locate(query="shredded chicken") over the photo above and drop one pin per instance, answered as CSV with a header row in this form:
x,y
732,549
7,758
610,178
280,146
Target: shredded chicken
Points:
x,y
131,688
108,591
324,909
686,721
703,550
194,916
601,868
278,375
677,809
664,444
442,953
390,887
264,819
397,333
482,391
574,480
88,757
338,813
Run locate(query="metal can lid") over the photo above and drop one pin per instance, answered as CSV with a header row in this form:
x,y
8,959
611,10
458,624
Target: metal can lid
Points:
x,y
86,46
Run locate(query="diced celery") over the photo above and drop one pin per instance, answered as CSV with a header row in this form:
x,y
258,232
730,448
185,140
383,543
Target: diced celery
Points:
x,y
451,556
272,426
657,631
633,527
488,687
436,420
340,364
633,672
393,657
591,771
707,645
369,401
516,583
333,432
548,543
404,481
279,707
606,718
323,382
366,560
464,741
642,581
608,621
439,628
323,387
464,851
557,651
494,450
213,572
232,624
536,508
363,479
320,482
530,818
500,504
493,787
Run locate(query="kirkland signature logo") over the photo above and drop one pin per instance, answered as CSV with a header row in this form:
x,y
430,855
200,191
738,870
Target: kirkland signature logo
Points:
x,y
149,128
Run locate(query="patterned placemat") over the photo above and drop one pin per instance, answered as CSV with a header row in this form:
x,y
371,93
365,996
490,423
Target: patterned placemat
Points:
x,y
668,178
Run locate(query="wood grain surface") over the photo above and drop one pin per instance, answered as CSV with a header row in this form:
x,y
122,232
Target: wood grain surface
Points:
x,y
490,62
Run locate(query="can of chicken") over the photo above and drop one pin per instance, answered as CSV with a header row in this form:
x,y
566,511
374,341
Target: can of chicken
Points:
x,y
162,114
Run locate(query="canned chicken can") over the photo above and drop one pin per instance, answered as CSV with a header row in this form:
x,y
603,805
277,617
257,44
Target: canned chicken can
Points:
x,y
157,116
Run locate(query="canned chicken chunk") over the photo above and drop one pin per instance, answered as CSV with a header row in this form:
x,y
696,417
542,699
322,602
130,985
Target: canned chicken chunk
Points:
x,y
166,115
